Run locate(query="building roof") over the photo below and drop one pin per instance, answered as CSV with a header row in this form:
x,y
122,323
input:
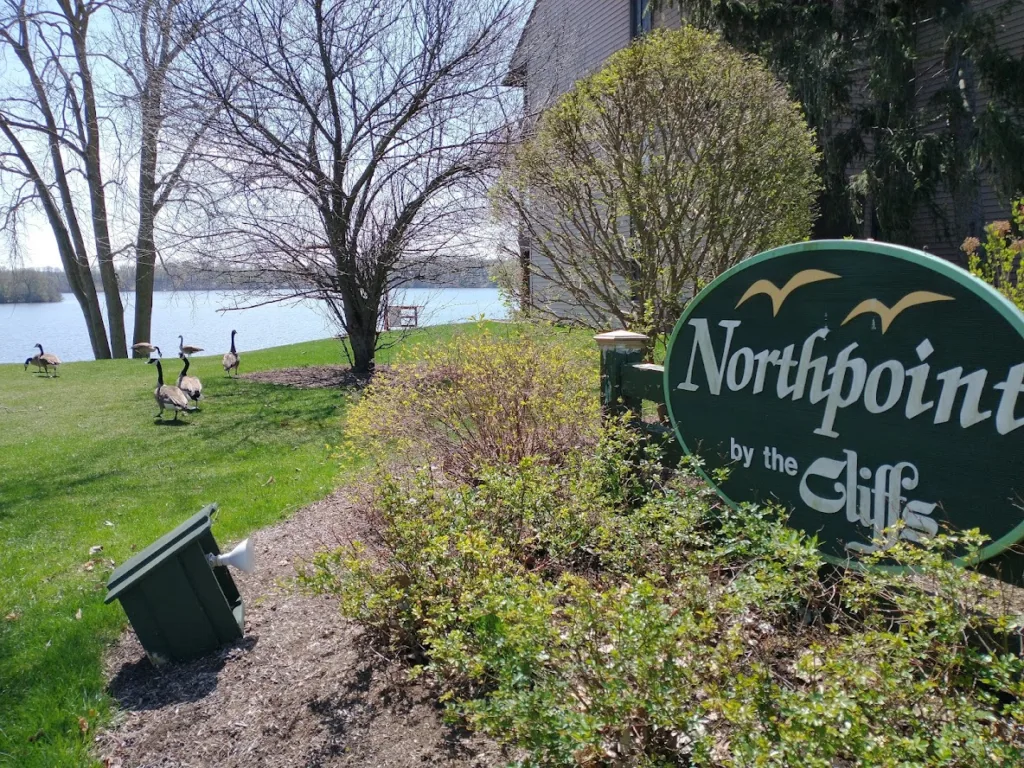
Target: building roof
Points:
x,y
517,65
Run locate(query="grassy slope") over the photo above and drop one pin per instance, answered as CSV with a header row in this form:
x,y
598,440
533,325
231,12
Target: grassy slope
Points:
x,y
82,451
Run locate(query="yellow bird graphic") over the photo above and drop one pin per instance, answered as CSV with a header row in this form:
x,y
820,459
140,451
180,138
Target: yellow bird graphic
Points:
x,y
887,314
779,295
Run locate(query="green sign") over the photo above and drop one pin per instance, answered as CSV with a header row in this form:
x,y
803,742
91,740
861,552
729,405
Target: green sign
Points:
x,y
875,391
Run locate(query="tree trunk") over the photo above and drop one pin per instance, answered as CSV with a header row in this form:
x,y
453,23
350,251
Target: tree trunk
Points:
x,y
363,349
361,324
145,264
525,297
145,243
108,276
97,194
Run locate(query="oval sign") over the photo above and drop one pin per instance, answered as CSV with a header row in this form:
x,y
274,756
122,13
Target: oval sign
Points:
x,y
875,391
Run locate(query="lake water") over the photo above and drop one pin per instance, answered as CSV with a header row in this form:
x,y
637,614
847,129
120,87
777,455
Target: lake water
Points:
x,y
200,317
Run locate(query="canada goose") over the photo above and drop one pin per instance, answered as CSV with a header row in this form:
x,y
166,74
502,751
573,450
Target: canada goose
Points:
x,y
147,348
166,395
232,358
190,385
34,360
45,360
187,349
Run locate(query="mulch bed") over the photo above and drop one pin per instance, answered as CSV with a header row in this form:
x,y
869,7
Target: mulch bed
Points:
x,y
303,687
311,377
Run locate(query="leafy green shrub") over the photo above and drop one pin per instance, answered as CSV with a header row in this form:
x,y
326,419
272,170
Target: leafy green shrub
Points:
x,y
697,146
484,398
599,612
999,261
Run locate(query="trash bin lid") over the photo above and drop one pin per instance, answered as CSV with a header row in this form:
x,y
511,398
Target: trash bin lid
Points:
x,y
136,568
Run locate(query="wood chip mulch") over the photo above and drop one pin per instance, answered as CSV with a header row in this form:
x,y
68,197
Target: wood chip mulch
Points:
x,y
302,688
311,377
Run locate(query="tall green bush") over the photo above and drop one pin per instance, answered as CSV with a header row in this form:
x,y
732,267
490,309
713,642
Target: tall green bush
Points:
x,y
675,161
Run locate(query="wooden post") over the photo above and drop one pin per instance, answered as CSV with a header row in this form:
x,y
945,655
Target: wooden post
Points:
x,y
618,350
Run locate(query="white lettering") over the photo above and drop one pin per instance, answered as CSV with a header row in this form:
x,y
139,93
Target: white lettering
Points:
x,y
713,370
858,368
739,452
782,387
952,380
919,525
829,469
918,376
850,381
879,507
895,370
746,357
764,359
1011,388
818,365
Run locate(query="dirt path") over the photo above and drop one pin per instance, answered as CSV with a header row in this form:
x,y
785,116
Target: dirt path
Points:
x,y
300,689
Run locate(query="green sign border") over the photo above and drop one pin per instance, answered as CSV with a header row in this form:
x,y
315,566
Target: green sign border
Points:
x,y
996,300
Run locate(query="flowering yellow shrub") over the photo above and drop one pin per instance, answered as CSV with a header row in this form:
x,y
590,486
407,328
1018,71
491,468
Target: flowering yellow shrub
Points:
x,y
999,261
485,398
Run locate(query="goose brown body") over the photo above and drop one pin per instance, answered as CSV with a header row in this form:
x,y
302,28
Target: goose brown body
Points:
x,y
168,396
187,349
190,385
44,360
146,348
231,359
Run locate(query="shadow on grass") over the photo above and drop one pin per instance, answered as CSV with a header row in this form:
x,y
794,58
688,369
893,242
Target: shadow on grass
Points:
x,y
140,686
170,423
36,489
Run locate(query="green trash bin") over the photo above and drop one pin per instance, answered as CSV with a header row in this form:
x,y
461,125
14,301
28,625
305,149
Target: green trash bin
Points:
x,y
179,605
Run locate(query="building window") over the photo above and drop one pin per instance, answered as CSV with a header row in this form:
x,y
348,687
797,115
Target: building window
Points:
x,y
640,12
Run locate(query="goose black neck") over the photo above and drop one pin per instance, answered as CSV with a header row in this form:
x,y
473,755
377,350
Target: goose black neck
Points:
x,y
233,342
40,349
185,369
159,374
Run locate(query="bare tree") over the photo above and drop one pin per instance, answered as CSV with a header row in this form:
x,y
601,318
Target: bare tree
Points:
x,y
358,138
50,122
152,35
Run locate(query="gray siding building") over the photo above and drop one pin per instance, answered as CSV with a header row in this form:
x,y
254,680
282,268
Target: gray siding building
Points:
x,y
565,40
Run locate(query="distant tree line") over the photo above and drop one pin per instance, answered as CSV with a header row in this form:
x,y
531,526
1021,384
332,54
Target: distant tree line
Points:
x,y
25,286
460,273
30,286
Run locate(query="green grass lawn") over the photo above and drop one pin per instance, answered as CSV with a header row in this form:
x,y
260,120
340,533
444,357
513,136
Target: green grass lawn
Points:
x,y
82,463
